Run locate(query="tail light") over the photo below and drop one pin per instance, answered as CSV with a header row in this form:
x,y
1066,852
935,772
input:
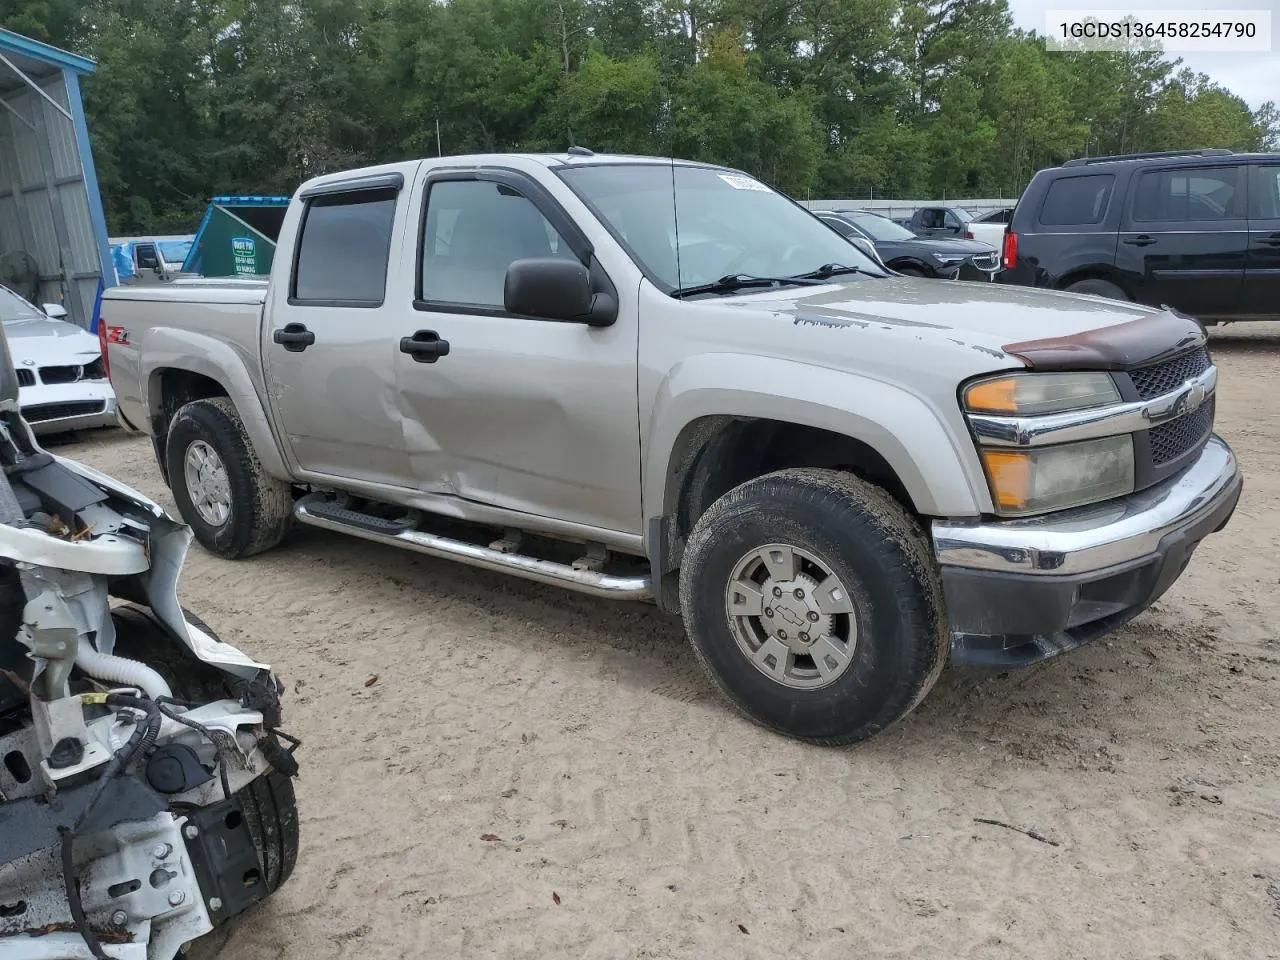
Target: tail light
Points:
x,y
968,234
1010,259
102,346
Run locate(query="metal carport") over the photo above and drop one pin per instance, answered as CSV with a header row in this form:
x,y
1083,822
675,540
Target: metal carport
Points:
x,y
52,229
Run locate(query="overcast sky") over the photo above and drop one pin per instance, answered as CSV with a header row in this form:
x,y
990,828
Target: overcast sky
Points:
x,y
1253,76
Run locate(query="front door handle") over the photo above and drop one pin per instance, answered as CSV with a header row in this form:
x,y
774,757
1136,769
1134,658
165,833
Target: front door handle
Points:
x,y
1271,241
425,346
1140,241
294,337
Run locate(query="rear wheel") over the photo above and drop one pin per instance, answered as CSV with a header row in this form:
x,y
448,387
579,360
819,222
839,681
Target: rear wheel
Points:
x,y
1098,288
270,806
811,598
233,506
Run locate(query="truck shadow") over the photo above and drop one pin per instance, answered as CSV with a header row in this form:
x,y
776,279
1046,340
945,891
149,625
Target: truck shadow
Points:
x,y
1131,692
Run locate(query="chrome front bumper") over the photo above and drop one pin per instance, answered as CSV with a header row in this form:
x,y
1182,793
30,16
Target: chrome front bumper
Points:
x,y
1043,584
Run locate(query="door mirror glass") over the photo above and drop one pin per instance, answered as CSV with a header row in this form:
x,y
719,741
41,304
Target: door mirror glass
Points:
x,y
553,288
55,311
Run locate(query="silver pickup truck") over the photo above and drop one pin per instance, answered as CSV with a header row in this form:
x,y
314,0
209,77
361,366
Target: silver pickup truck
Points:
x,y
648,379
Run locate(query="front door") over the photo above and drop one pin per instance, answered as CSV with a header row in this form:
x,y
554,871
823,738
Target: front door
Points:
x,y
328,345
1262,270
530,415
1184,238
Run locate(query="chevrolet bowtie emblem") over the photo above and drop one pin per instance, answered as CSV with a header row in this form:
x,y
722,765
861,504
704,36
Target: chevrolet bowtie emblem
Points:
x,y
1190,401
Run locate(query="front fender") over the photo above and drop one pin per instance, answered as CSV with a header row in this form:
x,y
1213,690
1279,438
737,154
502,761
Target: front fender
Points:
x,y
935,462
171,348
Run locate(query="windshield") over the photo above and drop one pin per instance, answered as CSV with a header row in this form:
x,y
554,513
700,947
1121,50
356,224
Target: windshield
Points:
x,y
14,308
728,224
877,227
174,251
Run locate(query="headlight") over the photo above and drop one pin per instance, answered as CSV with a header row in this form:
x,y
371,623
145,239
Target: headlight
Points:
x,y
1041,479
1026,478
1036,394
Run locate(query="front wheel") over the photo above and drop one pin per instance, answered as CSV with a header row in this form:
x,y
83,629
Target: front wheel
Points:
x,y
812,600
232,505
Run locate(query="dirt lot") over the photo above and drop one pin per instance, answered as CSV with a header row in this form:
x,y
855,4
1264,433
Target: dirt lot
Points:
x,y
640,817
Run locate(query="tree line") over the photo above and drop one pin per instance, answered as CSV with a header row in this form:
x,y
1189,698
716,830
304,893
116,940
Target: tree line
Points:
x,y
822,98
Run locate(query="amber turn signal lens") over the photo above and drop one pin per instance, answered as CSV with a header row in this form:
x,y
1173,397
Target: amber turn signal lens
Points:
x,y
993,396
1009,472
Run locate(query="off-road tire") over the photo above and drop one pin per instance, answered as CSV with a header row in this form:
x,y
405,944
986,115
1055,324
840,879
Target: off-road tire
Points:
x,y
270,806
1098,288
261,506
877,550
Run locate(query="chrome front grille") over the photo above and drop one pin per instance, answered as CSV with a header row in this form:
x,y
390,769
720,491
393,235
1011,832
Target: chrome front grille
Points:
x,y
986,261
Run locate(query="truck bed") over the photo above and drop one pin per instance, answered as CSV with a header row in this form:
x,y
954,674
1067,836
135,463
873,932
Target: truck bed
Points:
x,y
186,321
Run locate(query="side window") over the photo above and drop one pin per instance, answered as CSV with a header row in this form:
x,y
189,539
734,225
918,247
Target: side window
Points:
x,y
951,221
474,230
1077,201
930,219
344,248
1189,193
839,226
1264,193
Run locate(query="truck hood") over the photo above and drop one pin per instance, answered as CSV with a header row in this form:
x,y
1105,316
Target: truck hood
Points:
x,y
1019,323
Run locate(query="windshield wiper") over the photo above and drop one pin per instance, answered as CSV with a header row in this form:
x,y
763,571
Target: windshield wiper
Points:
x,y
827,270
742,281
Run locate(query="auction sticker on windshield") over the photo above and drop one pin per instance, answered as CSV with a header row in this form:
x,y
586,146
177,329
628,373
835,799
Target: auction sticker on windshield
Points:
x,y
742,183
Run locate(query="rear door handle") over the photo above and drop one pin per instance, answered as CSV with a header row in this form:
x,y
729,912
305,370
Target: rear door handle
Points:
x,y
1271,241
425,346
294,337
1141,241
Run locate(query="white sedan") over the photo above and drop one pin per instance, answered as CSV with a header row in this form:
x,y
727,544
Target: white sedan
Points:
x,y
62,385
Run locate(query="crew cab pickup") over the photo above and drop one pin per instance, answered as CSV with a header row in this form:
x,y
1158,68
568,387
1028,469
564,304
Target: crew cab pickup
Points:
x,y
658,380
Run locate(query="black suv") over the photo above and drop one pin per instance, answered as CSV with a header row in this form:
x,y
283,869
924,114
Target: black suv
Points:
x,y
1198,231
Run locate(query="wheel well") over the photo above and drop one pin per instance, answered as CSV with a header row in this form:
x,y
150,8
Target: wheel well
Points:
x,y
1092,273
174,389
717,454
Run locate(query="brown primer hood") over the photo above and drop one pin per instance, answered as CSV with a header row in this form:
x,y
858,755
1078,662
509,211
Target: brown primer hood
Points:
x,y
1136,343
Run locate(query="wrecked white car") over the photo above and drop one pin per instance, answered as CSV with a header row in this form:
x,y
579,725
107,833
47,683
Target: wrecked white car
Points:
x,y
145,793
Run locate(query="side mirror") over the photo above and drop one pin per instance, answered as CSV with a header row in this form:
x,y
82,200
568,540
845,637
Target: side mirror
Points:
x,y
54,311
554,288
866,246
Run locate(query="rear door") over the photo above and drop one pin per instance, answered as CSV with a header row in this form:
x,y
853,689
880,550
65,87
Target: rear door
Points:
x,y
1262,269
1184,239
328,348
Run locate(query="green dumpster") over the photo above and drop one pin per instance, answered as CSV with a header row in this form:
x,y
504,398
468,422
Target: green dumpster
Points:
x,y
237,237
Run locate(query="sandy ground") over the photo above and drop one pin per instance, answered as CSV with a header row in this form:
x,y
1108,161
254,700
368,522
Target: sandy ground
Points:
x,y
640,817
